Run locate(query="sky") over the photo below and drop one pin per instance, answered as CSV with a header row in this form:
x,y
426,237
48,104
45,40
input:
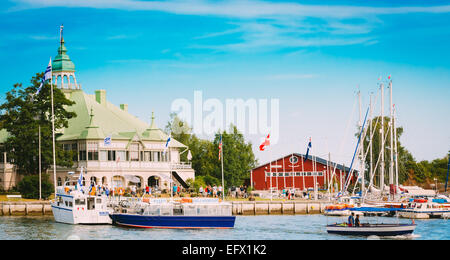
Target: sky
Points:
x,y
311,56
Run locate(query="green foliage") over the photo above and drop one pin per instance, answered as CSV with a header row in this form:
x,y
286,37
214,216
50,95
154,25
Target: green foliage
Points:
x,y
22,113
409,169
237,154
29,187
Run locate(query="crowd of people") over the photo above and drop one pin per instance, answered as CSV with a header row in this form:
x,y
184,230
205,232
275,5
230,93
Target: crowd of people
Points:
x,y
208,191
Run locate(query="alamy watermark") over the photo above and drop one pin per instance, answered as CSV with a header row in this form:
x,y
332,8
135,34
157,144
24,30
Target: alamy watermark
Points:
x,y
206,117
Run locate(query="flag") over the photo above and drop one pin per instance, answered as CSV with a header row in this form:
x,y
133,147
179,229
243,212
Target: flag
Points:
x,y
307,150
168,141
389,77
189,156
107,141
220,147
80,180
47,76
266,142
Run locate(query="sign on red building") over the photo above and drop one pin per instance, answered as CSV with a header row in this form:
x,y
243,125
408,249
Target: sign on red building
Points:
x,y
294,170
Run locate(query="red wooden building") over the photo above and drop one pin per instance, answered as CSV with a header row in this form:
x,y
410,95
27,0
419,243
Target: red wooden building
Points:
x,y
294,171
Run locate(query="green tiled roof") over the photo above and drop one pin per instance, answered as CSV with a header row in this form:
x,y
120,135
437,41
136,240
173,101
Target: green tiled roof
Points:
x,y
96,121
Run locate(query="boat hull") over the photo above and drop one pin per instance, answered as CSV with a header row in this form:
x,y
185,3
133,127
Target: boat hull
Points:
x,y
372,230
143,221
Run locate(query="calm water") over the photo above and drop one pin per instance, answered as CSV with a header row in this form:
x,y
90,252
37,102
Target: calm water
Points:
x,y
303,227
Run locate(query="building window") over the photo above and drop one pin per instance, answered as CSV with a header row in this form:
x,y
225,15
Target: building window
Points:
x,y
93,151
59,181
111,155
134,152
82,151
103,155
156,156
121,156
147,156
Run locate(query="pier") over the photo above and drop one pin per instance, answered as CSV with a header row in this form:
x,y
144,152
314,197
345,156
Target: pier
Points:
x,y
277,207
19,208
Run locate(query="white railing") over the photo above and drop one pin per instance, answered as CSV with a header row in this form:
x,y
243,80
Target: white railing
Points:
x,y
182,165
132,165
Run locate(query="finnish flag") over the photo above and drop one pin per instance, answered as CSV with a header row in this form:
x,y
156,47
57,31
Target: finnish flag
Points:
x,y
80,180
47,76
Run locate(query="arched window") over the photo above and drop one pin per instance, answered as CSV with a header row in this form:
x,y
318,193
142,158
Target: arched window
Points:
x,y
65,82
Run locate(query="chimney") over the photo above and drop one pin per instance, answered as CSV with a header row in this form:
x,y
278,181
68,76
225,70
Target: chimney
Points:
x,y
100,96
124,107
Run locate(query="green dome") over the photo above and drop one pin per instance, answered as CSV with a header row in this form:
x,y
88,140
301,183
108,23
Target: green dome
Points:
x,y
62,61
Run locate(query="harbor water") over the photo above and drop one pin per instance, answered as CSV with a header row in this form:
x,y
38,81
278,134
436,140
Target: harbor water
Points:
x,y
268,227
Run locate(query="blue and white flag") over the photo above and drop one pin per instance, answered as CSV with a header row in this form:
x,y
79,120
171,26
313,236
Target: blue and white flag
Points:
x,y
107,140
307,150
80,180
168,142
47,76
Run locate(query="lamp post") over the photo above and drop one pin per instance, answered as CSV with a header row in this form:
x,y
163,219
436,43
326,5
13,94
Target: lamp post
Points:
x,y
435,185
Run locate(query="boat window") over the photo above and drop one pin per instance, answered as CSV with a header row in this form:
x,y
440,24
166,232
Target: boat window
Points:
x,y
99,201
80,202
90,204
70,204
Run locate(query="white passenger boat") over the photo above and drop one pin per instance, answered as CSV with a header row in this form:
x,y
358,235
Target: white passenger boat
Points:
x,y
424,209
73,205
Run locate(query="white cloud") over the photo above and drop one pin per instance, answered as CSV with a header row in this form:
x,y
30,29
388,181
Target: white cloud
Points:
x,y
262,25
234,8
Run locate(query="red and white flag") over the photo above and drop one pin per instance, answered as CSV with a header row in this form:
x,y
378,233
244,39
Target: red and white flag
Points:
x,y
266,142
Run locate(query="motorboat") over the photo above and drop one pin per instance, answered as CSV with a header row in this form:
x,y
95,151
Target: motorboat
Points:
x,y
77,207
80,205
366,229
423,209
190,213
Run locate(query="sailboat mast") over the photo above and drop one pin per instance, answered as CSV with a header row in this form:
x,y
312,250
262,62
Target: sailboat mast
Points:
x,y
395,151
382,141
361,169
370,141
391,163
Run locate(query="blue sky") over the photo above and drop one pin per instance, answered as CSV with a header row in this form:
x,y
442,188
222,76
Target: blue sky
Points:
x,y
311,55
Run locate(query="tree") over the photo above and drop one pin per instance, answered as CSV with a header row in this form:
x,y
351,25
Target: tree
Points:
x,y
238,157
29,187
237,154
406,162
22,114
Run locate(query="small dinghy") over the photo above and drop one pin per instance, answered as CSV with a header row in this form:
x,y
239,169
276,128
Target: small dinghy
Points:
x,y
367,229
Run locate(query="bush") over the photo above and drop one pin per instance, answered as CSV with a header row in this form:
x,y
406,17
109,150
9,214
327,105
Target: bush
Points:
x,y
29,187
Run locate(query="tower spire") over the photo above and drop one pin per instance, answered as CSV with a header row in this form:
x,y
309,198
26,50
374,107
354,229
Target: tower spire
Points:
x,y
63,68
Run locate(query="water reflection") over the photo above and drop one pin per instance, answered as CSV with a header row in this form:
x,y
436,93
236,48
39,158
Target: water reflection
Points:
x,y
274,227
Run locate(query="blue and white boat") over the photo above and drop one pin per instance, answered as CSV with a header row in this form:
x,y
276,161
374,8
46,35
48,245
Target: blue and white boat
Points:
x,y
183,213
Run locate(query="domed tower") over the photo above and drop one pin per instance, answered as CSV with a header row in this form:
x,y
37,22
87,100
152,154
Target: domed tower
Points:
x,y
63,68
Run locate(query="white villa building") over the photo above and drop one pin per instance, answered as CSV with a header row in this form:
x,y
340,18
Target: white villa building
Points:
x,y
136,154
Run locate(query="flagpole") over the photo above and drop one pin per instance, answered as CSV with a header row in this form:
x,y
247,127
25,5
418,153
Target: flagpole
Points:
x,y
40,174
53,134
221,161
